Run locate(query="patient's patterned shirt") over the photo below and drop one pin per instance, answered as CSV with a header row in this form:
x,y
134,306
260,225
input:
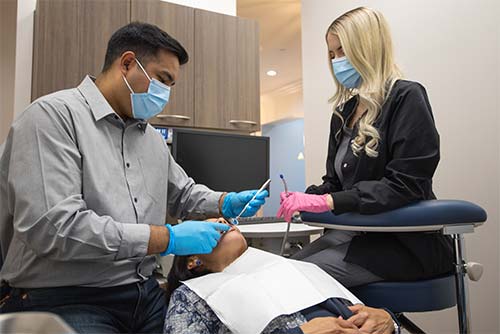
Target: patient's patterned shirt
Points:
x,y
188,313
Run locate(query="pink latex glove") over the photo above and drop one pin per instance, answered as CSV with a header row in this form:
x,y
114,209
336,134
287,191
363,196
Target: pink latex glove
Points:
x,y
296,201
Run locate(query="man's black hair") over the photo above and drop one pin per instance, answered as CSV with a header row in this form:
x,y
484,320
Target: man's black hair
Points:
x,y
145,40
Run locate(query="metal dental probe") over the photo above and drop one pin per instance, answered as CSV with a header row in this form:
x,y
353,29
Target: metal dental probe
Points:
x,y
288,223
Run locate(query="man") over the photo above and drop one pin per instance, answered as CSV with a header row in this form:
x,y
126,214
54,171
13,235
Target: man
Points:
x,y
85,185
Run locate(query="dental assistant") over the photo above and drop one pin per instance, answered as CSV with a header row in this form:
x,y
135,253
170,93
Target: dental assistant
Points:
x,y
383,151
85,187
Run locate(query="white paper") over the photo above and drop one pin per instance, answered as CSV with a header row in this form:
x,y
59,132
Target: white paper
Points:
x,y
260,286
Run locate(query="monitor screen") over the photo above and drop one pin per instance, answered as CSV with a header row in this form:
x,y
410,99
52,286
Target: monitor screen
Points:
x,y
222,162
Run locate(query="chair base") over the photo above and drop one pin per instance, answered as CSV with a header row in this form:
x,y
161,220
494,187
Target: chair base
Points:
x,y
424,296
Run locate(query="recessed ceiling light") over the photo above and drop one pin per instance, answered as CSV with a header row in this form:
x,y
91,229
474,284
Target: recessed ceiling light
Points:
x,y
271,73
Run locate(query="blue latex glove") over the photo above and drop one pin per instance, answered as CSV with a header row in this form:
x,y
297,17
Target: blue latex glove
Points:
x,y
194,237
235,202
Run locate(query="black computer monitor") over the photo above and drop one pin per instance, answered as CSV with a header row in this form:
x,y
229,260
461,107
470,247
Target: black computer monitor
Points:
x,y
221,161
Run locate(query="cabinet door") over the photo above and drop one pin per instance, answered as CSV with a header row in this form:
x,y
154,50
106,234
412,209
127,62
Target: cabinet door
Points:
x,y
70,40
177,21
247,114
98,20
56,55
216,71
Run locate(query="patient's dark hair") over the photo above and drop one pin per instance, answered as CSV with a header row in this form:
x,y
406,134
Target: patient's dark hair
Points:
x,y
179,272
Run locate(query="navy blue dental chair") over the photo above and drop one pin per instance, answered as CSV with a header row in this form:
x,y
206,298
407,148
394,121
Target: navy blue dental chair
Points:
x,y
449,217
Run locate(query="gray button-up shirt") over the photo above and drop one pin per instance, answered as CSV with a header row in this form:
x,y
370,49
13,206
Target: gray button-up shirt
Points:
x,y
79,187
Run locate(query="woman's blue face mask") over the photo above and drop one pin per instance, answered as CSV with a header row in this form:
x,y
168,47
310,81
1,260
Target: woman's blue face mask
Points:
x,y
345,73
151,103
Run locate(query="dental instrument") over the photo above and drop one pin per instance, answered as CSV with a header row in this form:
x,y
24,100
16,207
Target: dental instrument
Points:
x,y
288,223
235,220
284,184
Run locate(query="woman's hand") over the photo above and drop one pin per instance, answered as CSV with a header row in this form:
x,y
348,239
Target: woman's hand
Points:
x,y
329,325
371,320
295,201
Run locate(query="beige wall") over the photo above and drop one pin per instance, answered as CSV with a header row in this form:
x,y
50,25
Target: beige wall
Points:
x,y
284,103
7,64
450,46
16,40
498,107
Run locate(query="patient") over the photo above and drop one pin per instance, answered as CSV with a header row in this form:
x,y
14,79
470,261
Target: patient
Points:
x,y
188,313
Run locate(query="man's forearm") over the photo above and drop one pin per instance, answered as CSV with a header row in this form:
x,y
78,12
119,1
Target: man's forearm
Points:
x,y
158,239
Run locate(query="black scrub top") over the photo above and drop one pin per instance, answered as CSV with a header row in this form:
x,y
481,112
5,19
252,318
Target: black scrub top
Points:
x,y
408,154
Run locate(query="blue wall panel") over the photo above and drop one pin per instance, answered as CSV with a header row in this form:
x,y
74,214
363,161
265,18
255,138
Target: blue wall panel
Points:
x,y
287,142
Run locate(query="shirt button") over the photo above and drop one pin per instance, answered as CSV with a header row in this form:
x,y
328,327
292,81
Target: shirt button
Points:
x,y
135,199
345,165
128,165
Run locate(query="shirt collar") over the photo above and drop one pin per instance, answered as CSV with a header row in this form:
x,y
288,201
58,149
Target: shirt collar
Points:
x,y
349,107
98,104
99,107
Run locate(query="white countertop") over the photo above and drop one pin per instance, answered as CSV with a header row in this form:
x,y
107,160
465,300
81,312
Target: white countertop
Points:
x,y
277,230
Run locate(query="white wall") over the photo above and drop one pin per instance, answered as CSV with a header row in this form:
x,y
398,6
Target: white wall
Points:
x,y
227,7
451,46
24,54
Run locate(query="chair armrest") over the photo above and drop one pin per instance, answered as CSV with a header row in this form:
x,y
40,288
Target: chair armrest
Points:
x,y
432,215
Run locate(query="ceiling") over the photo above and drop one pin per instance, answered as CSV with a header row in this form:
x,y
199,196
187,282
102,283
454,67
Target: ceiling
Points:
x,y
280,43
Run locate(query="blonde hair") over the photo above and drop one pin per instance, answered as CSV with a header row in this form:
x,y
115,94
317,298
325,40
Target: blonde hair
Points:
x,y
365,38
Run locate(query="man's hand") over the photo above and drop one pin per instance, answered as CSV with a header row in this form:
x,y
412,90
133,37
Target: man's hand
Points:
x,y
187,238
233,203
329,325
371,320
194,237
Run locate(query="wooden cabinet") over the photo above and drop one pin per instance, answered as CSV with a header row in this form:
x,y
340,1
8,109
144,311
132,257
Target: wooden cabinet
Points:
x,y
70,40
215,69
177,21
55,49
226,72
217,89
248,68
97,21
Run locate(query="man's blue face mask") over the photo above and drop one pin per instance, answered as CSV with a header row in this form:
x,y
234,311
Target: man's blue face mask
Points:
x,y
345,73
150,104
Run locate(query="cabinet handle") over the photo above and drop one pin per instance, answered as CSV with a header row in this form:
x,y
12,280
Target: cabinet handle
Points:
x,y
186,118
238,121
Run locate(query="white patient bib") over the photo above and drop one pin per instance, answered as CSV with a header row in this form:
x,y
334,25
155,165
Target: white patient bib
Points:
x,y
260,286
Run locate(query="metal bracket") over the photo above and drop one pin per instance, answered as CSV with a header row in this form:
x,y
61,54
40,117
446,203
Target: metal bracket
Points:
x,y
458,229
